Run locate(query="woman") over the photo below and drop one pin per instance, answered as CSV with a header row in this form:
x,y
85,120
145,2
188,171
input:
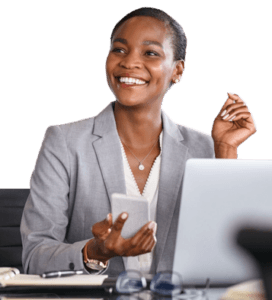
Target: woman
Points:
x,y
131,147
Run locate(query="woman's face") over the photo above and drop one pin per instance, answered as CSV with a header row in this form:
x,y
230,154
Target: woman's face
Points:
x,y
140,63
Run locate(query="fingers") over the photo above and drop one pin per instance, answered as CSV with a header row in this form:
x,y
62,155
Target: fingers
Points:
x,y
236,110
141,235
231,111
143,241
148,244
102,229
118,225
109,218
110,243
115,243
232,99
228,102
235,97
232,106
150,225
239,116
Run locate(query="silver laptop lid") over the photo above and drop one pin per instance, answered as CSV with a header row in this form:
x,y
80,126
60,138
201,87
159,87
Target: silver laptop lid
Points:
x,y
219,197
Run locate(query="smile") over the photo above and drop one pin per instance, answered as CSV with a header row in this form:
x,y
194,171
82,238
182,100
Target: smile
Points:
x,y
131,81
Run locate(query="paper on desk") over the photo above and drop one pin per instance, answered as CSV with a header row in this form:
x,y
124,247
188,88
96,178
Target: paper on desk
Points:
x,y
253,290
36,280
30,298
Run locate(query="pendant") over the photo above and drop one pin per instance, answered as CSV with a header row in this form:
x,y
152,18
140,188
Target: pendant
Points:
x,y
141,167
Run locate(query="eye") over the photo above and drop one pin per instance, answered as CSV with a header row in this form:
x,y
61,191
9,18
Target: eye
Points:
x,y
118,50
152,53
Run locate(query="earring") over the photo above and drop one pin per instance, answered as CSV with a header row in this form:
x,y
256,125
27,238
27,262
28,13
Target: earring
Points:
x,y
176,80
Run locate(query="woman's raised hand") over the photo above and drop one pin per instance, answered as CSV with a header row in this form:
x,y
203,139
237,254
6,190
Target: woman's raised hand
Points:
x,y
108,242
232,126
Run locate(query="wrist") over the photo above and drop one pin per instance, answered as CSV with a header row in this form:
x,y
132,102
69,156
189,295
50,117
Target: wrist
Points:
x,y
223,150
92,264
91,251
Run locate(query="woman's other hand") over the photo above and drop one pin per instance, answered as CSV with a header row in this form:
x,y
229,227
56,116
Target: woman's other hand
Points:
x,y
232,126
108,242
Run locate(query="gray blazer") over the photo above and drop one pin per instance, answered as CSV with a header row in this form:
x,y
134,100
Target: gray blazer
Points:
x,y
79,166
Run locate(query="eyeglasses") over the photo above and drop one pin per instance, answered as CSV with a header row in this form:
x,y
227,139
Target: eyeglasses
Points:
x,y
165,283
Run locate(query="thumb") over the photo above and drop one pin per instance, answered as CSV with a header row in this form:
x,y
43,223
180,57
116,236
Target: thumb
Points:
x,y
102,229
228,102
118,225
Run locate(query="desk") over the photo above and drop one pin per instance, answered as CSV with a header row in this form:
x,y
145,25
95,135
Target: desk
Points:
x,y
213,294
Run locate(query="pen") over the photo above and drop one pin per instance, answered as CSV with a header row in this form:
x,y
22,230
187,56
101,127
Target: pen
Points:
x,y
55,274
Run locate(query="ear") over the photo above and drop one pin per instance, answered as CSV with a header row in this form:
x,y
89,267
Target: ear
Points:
x,y
178,70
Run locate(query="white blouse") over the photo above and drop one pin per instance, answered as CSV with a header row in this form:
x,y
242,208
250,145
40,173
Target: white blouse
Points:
x,y
150,192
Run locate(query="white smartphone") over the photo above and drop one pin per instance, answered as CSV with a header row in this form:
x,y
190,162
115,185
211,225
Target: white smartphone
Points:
x,y
138,212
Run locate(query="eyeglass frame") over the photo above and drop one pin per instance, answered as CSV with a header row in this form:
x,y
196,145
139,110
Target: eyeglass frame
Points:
x,y
146,288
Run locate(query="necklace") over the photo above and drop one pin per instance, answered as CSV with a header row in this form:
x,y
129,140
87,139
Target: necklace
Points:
x,y
141,166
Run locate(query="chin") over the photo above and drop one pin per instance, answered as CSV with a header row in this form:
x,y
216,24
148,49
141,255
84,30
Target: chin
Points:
x,y
130,102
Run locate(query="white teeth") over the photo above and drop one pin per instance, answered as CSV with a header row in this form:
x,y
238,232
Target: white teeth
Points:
x,y
130,80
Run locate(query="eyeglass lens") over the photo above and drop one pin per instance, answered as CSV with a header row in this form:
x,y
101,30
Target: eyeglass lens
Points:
x,y
130,282
166,283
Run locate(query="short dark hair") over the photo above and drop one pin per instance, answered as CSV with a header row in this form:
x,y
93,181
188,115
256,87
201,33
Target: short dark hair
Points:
x,y
178,37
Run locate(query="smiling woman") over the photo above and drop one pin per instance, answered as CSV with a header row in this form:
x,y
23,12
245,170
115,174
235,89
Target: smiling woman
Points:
x,y
142,49
132,148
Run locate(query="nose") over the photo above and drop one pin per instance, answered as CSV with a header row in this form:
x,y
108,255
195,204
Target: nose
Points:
x,y
131,60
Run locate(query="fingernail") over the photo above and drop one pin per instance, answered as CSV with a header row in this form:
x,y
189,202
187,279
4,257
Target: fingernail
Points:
x,y
155,229
225,116
109,230
152,225
232,119
223,113
124,216
108,217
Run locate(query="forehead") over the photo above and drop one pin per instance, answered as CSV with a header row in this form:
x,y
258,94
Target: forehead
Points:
x,y
143,28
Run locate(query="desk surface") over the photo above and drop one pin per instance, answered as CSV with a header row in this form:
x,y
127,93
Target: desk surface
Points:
x,y
213,294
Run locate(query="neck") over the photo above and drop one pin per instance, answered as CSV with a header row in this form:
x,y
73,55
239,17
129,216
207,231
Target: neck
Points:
x,y
138,125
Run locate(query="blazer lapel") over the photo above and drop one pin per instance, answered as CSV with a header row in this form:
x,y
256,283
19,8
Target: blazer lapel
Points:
x,y
174,154
108,152
173,160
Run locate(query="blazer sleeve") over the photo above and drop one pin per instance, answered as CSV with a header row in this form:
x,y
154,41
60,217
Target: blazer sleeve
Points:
x,y
45,217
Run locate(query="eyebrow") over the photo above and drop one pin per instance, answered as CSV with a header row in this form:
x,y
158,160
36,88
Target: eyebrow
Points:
x,y
124,41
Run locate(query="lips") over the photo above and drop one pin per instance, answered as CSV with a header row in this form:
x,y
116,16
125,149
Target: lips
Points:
x,y
124,85
130,82
131,75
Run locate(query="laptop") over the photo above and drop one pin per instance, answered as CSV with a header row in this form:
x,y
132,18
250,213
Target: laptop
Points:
x,y
219,197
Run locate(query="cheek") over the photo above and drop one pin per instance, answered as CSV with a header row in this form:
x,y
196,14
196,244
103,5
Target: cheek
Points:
x,y
109,72
163,73
110,64
158,70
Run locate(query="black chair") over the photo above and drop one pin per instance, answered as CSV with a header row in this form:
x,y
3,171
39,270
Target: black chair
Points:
x,y
12,202
258,242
